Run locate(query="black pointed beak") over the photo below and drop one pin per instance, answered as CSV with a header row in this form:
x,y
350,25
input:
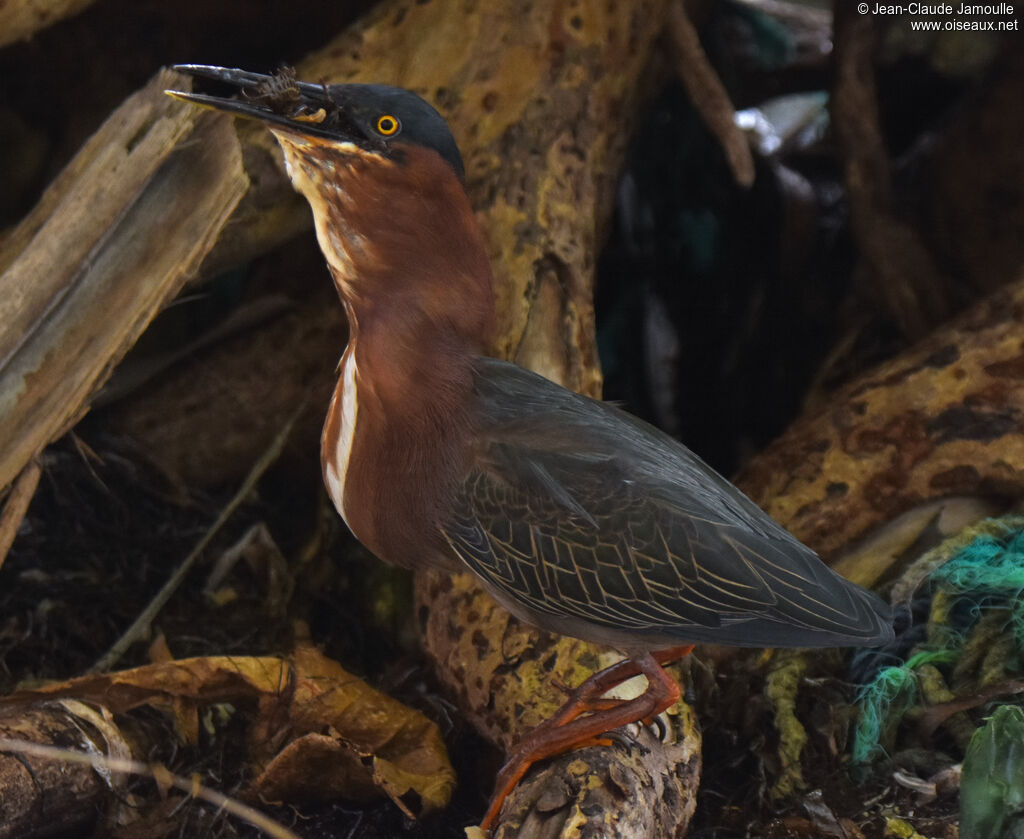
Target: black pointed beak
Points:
x,y
306,109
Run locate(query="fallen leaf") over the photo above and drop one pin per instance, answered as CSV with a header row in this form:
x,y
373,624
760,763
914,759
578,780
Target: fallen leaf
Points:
x,y
397,749
320,733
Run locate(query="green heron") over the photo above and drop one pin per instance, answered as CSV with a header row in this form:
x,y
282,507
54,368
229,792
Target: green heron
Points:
x,y
576,516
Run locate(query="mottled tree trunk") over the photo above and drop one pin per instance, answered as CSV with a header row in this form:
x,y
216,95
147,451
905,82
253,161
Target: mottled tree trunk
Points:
x,y
945,418
40,796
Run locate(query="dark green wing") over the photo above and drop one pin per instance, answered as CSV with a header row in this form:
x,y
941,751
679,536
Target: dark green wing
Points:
x,y
585,520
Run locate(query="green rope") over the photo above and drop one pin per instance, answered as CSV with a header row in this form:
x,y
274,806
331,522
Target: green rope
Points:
x,y
972,574
885,701
989,569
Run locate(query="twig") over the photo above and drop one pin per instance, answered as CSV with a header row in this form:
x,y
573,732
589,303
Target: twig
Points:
x,y
708,94
17,505
906,281
142,622
935,715
160,774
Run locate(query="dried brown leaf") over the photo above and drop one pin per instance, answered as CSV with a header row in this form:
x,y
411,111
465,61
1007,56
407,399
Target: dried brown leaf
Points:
x,y
202,680
340,720
312,713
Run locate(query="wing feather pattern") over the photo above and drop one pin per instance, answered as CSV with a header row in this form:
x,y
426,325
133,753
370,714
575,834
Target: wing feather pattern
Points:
x,y
586,520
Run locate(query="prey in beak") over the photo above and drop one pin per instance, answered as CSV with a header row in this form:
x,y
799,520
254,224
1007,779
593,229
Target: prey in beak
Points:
x,y
282,101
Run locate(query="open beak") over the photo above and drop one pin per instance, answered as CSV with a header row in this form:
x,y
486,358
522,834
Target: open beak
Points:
x,y
280,99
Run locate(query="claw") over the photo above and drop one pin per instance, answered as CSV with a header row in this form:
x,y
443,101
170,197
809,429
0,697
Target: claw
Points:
x,y
588,718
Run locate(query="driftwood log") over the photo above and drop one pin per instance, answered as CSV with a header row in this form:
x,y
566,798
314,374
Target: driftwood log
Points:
x,y
40,796
112,241
505,676
901,274
944,419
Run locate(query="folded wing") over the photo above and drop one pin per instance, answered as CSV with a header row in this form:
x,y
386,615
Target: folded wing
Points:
x,y
588,521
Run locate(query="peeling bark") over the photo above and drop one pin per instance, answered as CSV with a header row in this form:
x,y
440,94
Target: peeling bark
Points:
x,y
110,243
16,505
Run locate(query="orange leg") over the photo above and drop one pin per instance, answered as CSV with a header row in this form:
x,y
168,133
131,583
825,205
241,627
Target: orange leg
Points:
x,y
569,728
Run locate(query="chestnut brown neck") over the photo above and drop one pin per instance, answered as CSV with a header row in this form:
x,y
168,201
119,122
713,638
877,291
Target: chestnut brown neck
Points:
x,y
402,244
411,267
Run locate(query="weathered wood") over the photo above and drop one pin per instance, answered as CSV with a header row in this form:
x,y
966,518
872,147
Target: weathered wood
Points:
x,y
505,676
43,797
945,418
709,95
112,241
16,505
641,786
900,272
20,19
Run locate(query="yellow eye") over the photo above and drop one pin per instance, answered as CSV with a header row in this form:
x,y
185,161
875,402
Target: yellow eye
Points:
x,y
387,125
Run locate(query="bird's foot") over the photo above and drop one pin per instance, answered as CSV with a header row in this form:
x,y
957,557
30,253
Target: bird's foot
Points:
x,y
586,715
